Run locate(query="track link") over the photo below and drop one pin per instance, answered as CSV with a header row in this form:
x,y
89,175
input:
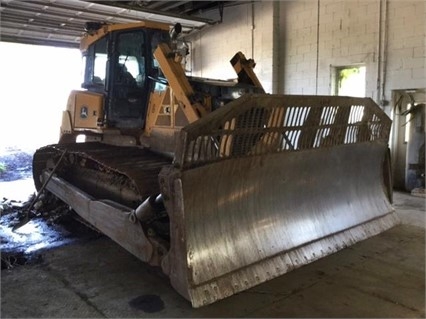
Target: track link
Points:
x,y
127,175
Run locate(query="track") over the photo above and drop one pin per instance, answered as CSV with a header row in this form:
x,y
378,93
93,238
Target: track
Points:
x,y
126,175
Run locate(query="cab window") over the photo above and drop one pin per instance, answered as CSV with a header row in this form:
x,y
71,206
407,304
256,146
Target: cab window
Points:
x,y
130,67
100,62
95,63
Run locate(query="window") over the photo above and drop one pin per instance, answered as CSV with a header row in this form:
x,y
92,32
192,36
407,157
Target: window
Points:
x,y
100,61
131,63
130,70
349,81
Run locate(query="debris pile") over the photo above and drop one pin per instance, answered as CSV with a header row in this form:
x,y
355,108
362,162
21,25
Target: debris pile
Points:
x,y
47,207
26,228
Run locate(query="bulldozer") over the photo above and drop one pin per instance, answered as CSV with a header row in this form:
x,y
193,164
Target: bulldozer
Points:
x,y
219,184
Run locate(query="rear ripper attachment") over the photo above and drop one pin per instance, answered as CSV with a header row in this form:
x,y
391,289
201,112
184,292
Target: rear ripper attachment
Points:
x,y
263,185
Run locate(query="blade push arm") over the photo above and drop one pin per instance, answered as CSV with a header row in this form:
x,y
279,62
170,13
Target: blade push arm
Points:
x,y
178,82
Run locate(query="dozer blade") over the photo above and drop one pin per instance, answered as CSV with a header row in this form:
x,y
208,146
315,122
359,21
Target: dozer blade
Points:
x,y
269,183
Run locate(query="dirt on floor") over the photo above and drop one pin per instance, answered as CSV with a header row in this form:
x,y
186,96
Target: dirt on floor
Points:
x,y
26,233
32,225
15,164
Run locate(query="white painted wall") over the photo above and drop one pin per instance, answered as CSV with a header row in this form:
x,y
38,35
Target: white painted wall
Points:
x,y
295,57
243,29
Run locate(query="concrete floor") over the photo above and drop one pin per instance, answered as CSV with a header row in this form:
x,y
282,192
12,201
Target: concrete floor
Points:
x,y
383,276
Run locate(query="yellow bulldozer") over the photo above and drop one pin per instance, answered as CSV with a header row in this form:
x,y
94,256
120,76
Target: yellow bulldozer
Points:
x,y
218,183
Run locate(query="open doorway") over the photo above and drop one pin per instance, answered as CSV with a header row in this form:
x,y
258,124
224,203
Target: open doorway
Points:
x,y
408,139
348,80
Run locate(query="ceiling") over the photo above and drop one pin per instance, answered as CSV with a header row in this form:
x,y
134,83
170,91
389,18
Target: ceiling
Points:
x,y
189,8
61,22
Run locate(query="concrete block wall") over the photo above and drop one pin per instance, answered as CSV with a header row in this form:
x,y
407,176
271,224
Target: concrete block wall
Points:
x,y
338,33
320,35
298,33
214,46
247,28
296,44
406,42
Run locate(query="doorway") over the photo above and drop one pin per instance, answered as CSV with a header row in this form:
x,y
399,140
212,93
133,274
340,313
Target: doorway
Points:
x,y
408,138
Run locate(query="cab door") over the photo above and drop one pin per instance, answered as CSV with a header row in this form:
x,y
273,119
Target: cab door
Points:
x,y
127,87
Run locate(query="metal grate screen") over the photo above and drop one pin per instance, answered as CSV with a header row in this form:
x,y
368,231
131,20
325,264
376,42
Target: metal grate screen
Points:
x,y
262,124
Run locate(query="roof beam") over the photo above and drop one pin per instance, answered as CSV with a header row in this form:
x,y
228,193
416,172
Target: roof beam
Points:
x,y
55,21
22,6
172,4
185,20
39,34
34,41
42,23
38,28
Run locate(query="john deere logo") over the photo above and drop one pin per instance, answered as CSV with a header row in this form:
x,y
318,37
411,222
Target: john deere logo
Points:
x,y
84,112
